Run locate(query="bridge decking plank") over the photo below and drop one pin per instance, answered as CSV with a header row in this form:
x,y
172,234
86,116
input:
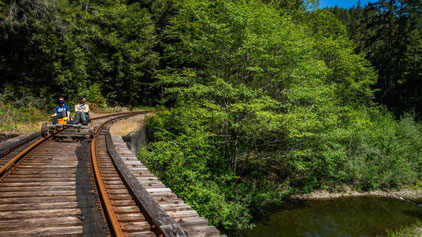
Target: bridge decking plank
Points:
x,y
8,215
45,231
37,194
37,188
38,206
40,222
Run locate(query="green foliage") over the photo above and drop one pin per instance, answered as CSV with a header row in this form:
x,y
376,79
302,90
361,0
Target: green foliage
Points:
x,y
51,49
190,165
268,98
385,155
389,32
118,40
266,105
24,111
93,95
413,230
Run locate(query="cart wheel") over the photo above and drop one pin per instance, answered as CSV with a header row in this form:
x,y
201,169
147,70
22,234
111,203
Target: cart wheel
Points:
x,y
44,130
91,133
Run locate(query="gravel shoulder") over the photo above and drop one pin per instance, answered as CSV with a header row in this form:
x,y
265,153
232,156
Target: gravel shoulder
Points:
x,y
413,194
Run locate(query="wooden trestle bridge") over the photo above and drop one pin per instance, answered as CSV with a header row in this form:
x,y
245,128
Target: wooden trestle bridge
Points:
x,y
97,187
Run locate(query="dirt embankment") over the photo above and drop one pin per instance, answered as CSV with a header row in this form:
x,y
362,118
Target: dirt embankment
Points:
x,y
126,126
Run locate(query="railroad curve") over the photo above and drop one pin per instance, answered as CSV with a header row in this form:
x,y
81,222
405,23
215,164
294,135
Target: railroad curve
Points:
x,y
53,188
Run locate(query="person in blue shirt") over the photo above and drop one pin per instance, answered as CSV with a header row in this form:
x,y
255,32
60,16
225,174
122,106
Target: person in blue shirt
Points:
x,y
61,110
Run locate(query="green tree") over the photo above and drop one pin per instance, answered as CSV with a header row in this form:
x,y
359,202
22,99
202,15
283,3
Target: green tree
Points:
x,y
276,97
387,31
63,48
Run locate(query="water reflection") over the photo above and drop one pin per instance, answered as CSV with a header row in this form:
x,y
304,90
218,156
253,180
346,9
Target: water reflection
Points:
x,y
355,216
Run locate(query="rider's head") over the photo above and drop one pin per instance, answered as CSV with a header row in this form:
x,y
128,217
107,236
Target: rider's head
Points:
x,y
82,100
61,100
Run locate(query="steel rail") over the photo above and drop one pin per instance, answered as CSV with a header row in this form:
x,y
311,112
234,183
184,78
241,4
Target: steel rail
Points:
x,y
23,153
117,230
152,216
112,218
37,143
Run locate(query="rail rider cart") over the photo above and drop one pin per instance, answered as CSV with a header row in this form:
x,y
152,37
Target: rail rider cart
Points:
x,y
72,130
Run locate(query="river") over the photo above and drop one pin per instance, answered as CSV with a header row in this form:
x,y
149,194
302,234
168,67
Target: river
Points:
x,y
352,216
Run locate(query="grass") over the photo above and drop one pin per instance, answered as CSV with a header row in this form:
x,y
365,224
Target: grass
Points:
x,y
413,230
22,120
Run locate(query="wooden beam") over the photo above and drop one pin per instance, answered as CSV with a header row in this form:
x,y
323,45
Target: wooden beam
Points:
x,y
152,210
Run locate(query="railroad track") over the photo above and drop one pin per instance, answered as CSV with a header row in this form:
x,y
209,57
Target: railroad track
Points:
x,y
48,189
85,188
14,146
129,212
11,150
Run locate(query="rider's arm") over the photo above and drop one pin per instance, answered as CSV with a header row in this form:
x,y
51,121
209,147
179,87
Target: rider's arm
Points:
x,y
55,112
86,110
68,112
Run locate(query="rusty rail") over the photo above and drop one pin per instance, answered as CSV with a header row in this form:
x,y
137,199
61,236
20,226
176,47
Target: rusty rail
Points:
x,y
117,230
162,223
20,187
22,154
121,194
46,190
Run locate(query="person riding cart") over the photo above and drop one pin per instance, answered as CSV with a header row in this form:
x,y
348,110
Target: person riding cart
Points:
x,y
61,112
62,122
82,112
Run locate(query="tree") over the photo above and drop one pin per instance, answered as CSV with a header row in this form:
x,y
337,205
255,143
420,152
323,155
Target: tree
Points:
x,y
63,48
385,31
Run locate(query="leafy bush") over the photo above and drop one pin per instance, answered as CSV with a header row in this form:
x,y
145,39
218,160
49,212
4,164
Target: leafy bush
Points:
x,y
93,95
189,163
388,154
267,105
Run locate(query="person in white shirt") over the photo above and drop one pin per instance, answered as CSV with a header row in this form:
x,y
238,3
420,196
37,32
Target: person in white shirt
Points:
x,y
82,112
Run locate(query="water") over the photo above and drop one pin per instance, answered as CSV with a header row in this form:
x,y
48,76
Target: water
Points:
x,y
354,216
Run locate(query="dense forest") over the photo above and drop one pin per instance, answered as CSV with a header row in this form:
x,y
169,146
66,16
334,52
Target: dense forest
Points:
x,y
260,99
389,33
